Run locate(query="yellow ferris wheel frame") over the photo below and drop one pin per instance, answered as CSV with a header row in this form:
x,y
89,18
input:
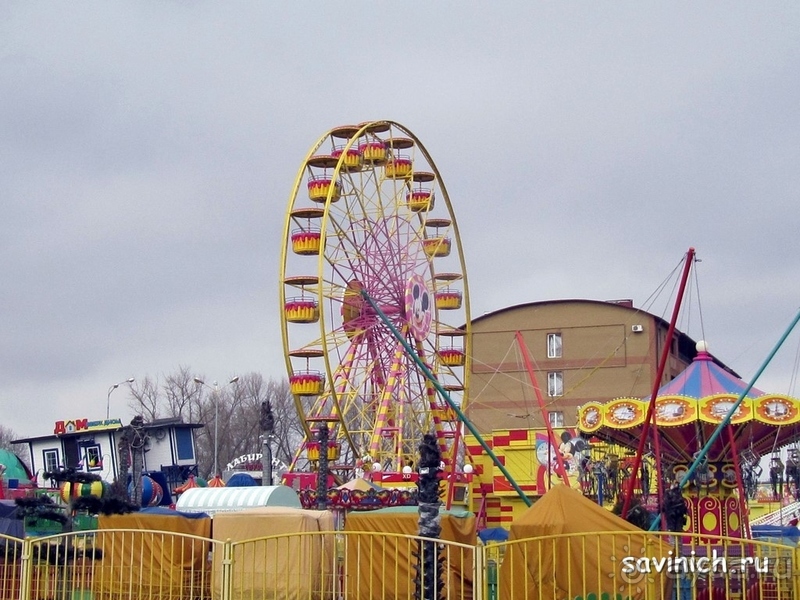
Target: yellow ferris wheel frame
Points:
x,y
370,216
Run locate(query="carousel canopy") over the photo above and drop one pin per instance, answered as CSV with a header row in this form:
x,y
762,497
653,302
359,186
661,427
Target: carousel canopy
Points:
x,y
688,410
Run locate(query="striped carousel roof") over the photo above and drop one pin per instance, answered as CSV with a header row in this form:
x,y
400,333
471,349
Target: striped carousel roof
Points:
x,y
705,378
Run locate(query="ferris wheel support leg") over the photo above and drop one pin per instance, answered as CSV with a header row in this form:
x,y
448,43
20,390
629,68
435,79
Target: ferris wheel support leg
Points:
x,y
462,417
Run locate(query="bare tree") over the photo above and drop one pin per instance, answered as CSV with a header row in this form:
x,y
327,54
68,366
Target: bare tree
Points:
x,y
239,412
145,398
180,390
6,435
237,406
21,450
179,396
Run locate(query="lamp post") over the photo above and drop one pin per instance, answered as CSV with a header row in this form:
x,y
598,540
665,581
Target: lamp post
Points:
x,y
214,387
111,389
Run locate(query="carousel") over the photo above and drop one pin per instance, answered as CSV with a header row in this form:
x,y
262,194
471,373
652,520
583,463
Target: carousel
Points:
x,y
688,411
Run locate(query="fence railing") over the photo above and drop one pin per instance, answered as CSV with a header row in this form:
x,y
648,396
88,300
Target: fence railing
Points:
x,y
135,564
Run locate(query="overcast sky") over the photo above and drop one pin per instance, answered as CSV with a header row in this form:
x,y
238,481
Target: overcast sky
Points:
x,y
148,149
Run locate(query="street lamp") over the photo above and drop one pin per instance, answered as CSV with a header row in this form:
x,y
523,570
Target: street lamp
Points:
x,y
214,387
111,389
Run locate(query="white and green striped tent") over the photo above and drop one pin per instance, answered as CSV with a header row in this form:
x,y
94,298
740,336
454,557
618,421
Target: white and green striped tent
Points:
x,y
213,500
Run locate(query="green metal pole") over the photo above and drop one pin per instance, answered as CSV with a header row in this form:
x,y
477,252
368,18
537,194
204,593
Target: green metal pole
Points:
x,y
462,417
724,423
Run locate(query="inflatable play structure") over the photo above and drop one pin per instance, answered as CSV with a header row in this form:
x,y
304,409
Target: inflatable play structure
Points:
x,y
15,477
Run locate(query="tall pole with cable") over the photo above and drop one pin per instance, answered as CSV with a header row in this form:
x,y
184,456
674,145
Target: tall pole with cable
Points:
x,y
111,389
650,418
214,387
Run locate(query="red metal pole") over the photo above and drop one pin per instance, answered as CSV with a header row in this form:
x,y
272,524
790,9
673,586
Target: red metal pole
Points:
x,y
657,384
550,433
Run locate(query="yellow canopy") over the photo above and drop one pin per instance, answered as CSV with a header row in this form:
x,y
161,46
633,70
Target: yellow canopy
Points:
x,y
559,565
388,562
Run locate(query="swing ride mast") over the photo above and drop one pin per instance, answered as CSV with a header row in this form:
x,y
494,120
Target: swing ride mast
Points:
x,y
732,410
650,418
457,409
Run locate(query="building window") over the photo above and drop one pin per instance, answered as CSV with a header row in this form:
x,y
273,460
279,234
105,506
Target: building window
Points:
x,y
553,345
555,384
94,459
183,443
556,418
50,460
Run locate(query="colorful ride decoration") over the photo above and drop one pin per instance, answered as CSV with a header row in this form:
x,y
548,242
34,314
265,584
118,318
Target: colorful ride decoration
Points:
x,y
437,246
191,482
373,151
69,490
448,299
307,383
530,457
372,499
306,241
688,409
351,160
312,449
301,310
216,482
453,357
398,166
420,200
418,307
320,187
380,241
152,492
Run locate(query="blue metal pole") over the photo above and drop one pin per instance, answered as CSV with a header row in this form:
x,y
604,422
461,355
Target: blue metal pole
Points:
x,y
724,423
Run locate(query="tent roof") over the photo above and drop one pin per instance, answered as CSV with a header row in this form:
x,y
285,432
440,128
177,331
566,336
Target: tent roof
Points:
x,y
15,468
582,552
705,378
691,407
359,483
213,500
241,480
566,510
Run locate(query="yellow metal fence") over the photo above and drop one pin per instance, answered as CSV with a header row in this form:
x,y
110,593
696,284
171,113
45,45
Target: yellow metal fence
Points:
x,y
136,564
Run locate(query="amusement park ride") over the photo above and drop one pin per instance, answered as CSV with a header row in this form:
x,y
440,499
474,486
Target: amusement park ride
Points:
x,y
370,219
376,335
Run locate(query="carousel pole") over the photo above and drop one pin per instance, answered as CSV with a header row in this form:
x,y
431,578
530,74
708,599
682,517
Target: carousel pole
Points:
x,y
745,514
652,405
732,410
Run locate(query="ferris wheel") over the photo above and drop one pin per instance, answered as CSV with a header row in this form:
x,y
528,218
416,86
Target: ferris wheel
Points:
x,y
369,224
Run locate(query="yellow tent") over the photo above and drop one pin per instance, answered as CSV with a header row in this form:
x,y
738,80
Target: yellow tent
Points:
x,y
387,562
291,567
574,553
149,561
